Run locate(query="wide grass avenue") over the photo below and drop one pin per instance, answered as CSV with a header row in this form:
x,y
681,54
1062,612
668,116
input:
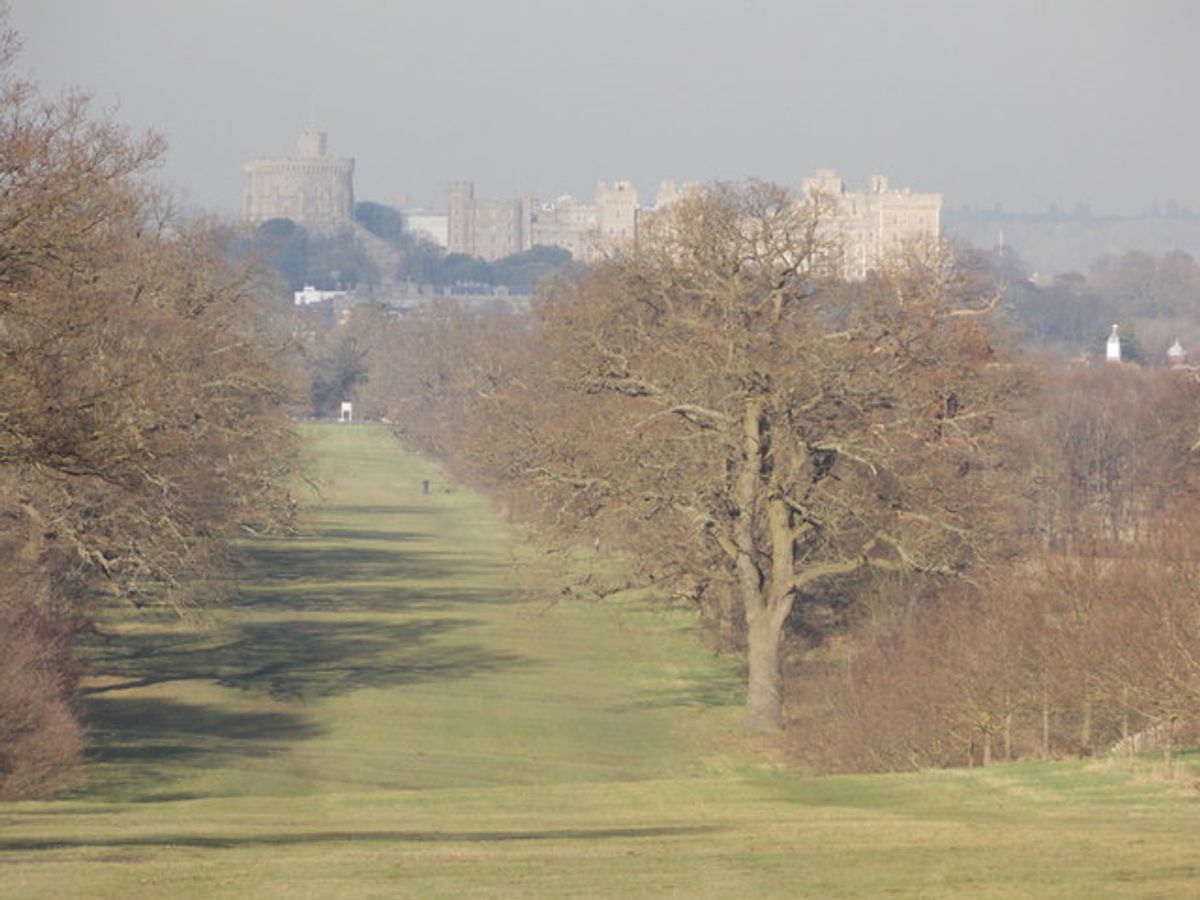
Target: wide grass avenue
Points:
x,y
402,702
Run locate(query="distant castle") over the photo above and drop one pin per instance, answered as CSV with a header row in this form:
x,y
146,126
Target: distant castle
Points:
x,y
869,224
873,223
492,229
316,190
312,189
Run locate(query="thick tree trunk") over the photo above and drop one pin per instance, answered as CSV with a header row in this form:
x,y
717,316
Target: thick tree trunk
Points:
x,y
1124,714
1085,728
764,691
1045,722
763,583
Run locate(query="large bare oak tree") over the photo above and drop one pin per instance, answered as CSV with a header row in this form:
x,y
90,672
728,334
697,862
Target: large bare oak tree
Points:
x,y
716,401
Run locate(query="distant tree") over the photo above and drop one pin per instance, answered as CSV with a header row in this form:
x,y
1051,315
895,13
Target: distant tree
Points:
x,y
385,222
459,268
339,262
522,271
1066,314
421,262
282,245
424,262
338,366
1140,285
432,373
1109,450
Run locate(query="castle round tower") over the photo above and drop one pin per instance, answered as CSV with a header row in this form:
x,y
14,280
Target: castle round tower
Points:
x,y
313,189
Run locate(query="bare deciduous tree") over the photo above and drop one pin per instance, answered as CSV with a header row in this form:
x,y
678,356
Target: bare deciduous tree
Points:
x,y
145,416
716,402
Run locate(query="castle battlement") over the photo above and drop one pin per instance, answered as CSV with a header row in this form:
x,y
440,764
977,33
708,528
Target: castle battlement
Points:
x,y
493,229
312,189
874,223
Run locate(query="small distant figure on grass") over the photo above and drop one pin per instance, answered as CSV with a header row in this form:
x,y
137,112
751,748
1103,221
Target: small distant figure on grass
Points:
x,y
425,487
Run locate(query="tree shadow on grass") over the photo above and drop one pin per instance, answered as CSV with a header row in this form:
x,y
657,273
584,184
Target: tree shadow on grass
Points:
x,y
397,536
215,842
273,651
152,729
148,740
297,561
296,660
143,744
342,576
368,598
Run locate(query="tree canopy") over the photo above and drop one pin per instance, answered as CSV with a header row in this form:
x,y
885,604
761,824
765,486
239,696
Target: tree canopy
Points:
x,y
145,415
717,403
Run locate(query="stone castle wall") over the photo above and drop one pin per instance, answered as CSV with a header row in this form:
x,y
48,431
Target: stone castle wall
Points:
x,y
312,189
492,229
316,190
874,223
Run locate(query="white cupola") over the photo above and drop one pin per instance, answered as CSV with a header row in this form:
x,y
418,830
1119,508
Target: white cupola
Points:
x,y
1176,355
1112,352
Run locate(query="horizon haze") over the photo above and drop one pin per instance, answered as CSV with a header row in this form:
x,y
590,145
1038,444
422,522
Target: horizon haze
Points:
x,y
1022,104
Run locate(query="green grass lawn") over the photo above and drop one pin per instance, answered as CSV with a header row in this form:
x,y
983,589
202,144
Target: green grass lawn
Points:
x,y
402,704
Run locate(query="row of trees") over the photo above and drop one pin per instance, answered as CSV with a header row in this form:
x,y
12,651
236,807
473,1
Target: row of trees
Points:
x,y
343,260
1057,656
329,261
1089,635
1156,298
718,404
144,410
943,552
421,261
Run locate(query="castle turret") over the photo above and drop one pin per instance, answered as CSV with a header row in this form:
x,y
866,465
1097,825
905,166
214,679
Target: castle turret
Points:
x,y
311,144
460,211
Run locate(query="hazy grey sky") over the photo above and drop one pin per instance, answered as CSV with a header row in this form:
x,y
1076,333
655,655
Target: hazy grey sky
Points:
x,y
1019,102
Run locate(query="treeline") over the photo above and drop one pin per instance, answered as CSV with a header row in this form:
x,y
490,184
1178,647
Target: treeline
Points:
x,y
718,404
342,260
1069,240
1155,299
337,261
919,539
423,262
143,418
1058,656
1085,641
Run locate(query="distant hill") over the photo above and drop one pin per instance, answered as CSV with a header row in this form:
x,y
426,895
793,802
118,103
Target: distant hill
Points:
x,y
1052,243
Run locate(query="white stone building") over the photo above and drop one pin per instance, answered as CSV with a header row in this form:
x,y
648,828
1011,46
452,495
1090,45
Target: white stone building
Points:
x,y
433,227
564,222
311,295
873,223
670,193
492,229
